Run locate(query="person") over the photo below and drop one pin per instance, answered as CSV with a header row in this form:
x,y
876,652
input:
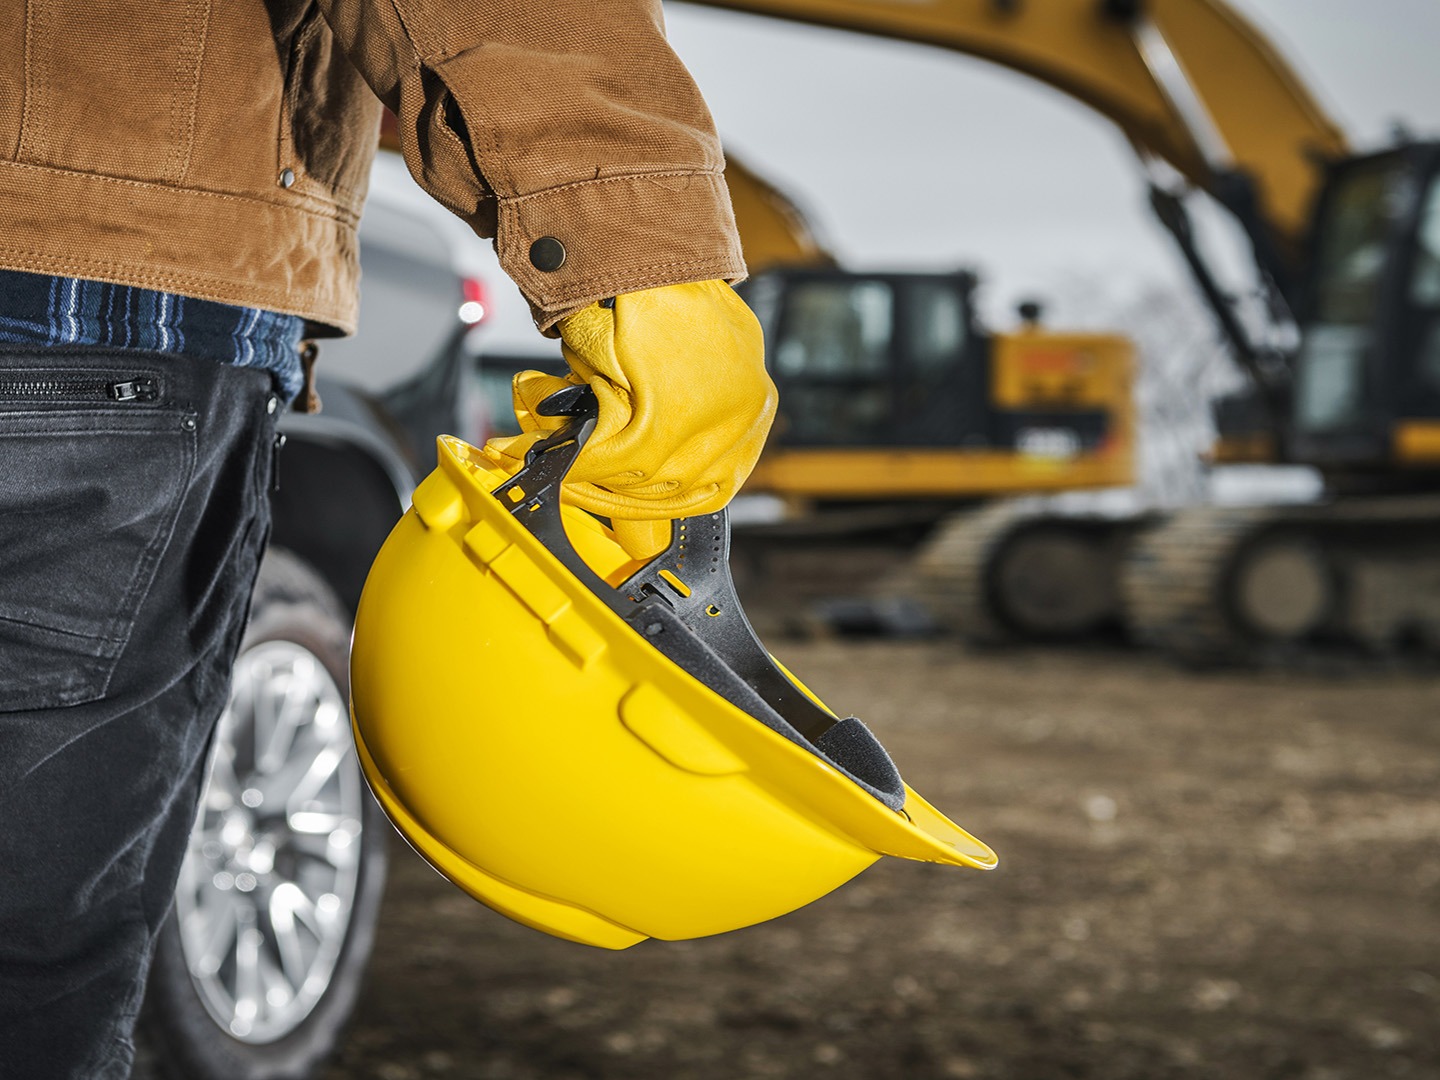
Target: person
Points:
x,y
179,191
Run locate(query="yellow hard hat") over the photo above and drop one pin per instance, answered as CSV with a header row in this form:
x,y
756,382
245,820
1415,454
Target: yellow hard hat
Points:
x,y
597,748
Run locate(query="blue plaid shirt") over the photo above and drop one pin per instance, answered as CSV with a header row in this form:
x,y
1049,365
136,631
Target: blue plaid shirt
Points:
x,y
40,309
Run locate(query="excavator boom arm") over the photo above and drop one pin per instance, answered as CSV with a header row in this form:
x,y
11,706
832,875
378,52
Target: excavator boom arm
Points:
x,y
1189,81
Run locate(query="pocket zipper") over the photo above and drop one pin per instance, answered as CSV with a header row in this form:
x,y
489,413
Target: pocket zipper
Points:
x,y
140,389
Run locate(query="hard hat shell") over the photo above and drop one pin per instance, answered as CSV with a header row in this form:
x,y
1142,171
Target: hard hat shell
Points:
x,y
548,757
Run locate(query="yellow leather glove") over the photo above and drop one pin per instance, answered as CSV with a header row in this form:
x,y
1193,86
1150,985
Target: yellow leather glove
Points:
x,y
685,405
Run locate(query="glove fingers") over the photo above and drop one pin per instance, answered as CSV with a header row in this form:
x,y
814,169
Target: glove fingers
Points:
x,y
624,505
684,401
642,540
508,451
528,390
587,340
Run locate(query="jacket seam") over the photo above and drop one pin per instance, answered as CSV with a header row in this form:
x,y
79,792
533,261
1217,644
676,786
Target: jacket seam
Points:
x,y
31,143
291,100
651,268
185,99
403,13
493,165
467,153
340,213
286,153
133,272
626,178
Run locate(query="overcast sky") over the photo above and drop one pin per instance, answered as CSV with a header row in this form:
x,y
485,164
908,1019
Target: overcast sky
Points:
x,y
909,156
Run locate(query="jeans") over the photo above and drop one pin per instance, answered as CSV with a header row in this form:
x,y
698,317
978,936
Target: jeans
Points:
x,y
133,515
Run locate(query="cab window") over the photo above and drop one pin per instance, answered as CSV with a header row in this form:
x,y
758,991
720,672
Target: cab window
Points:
x,y
936,318
833,363
839,328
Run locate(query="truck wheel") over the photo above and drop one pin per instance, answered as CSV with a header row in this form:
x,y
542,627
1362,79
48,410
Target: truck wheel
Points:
x,y
259,964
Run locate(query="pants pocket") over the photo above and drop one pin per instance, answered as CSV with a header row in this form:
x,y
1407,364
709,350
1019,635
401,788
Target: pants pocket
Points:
x,y
88,501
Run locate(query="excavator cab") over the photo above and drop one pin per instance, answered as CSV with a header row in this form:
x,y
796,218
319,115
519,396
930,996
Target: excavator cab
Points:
x,y
1367,377
900,410
874,359
891,388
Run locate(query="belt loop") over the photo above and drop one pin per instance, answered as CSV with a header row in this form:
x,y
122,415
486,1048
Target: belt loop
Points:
x,y
308,400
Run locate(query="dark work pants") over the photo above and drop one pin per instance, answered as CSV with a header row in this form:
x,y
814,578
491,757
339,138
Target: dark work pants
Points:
x,y
133,514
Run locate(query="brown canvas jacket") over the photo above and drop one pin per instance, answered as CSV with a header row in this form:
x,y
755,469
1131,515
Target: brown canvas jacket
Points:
x,y
221,148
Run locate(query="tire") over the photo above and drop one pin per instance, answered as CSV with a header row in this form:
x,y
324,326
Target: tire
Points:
x,y
263,895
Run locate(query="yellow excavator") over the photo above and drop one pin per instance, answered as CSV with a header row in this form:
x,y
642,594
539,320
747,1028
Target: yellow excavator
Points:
x,y
1347,249
898,408
892,390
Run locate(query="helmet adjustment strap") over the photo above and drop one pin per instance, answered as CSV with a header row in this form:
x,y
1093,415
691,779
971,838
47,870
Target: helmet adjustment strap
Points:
x,y
683,602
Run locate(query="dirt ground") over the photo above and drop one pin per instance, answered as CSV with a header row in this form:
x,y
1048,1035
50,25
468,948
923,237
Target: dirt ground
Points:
x,y
1227,875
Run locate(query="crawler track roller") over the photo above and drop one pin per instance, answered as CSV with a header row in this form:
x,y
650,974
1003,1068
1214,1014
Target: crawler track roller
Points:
x,y
1012,573
1285,584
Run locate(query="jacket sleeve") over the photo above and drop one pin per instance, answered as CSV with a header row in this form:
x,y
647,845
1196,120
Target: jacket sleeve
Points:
x,y
567,119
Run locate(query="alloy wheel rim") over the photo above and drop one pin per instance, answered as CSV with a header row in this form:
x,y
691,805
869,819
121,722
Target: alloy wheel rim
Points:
x,y
267,889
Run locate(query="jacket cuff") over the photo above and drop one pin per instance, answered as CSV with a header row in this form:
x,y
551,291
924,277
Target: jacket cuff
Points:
x,y
569,246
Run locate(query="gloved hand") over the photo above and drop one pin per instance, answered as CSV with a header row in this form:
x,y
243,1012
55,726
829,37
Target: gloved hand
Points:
x,y
685,405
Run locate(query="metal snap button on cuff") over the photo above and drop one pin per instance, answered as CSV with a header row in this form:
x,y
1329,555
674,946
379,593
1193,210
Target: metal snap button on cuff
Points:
x,y
287,178
547,254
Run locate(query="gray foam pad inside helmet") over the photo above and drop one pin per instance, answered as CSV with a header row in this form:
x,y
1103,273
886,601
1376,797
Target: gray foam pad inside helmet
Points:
x,y
847,744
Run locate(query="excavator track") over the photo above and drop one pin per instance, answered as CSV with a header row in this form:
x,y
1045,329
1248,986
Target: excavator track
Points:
x,y
1019,571
948,573
1275,584
1171,581
836,572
